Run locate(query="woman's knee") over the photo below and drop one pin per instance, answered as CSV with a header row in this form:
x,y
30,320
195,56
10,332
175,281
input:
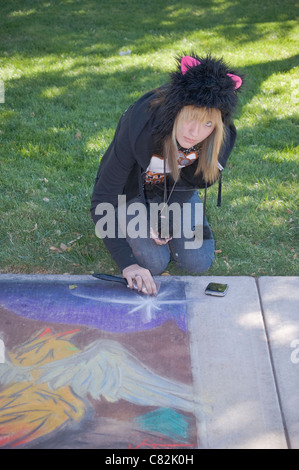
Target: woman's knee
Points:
x,y
151,256
158,266
196,261
195,268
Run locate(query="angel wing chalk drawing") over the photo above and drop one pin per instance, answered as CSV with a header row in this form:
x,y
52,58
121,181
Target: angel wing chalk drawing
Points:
x,y
46,384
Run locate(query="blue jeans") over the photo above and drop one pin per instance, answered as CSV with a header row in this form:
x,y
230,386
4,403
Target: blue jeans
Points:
x,y
156,257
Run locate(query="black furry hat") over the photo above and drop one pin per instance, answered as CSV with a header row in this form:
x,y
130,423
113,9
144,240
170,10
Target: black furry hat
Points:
x,y
199,81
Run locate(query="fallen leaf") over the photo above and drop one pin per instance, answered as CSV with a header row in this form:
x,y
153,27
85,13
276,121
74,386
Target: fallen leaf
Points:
x,y
54,248
72,286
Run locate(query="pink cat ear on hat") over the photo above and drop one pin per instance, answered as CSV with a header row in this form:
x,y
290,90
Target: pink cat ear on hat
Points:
x,y
236,79
187,62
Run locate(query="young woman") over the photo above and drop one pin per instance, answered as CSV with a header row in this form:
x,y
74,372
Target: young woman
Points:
x,y
168,144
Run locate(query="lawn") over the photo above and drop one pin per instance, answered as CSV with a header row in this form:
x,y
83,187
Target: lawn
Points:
x,y
70,68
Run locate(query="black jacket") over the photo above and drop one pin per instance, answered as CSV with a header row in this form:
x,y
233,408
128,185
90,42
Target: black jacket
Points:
x,y
128,156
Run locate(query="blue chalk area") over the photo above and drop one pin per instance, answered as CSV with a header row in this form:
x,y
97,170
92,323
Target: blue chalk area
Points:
x,y
166,421
104,305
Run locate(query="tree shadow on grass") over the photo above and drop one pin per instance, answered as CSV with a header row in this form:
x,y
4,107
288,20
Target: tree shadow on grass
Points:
x,y
76,100
89,27
82,92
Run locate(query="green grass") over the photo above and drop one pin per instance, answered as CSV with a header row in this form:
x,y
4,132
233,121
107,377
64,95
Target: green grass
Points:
x,y
66,85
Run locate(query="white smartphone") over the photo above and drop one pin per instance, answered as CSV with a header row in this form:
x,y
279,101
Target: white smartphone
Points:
x,y
214,288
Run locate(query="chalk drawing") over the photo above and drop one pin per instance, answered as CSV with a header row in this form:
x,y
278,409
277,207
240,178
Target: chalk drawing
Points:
x,y
29,410
98,382
47,382
103,305
2,351
166,421
160,444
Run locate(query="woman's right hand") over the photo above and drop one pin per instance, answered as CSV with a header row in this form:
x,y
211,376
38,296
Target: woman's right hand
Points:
x,y
142,277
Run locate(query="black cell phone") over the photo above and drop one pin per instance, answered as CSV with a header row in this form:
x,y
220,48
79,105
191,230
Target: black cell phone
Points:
x,y
214,288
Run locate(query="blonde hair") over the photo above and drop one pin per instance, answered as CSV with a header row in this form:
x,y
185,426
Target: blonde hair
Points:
x,y
210,147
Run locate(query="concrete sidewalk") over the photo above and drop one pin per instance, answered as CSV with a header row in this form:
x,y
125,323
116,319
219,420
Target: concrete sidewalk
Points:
x,y
242,354
242,351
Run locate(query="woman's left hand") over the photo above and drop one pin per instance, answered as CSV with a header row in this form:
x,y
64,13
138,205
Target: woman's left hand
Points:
x,y
157,239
